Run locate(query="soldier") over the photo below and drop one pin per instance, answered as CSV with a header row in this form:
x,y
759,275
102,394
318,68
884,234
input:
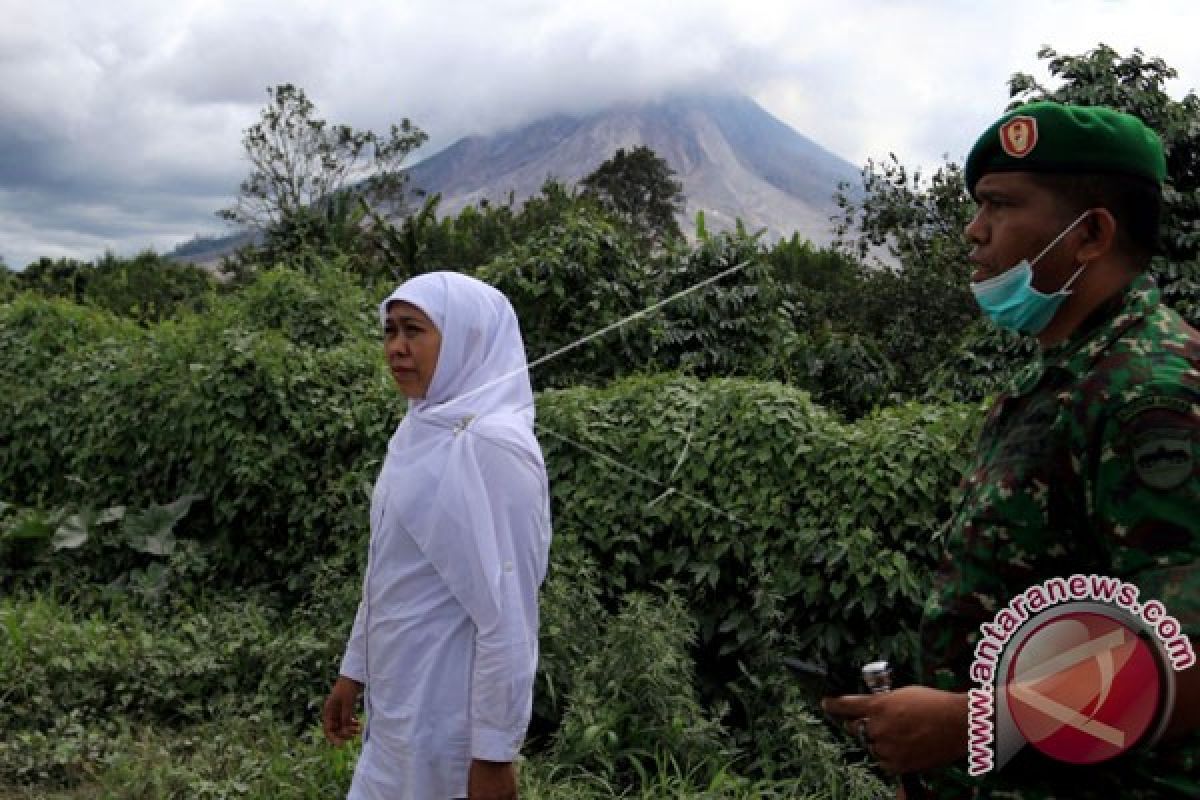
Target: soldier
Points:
x,y
1090,463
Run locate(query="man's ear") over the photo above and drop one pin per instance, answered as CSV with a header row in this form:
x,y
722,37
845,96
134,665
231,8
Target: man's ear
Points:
x,y
1100,235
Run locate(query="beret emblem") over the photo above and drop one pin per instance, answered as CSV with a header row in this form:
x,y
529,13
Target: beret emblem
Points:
x,y
1019,136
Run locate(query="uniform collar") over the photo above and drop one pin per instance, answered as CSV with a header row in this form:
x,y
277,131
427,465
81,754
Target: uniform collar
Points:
x,y
1093,337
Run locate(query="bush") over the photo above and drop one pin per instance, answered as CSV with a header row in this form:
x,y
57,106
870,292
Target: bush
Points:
x,y
571,280
278,438
321,309
633,702
169,665
767,511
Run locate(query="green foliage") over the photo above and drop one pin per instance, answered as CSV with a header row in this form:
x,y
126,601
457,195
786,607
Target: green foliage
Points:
x,y
281,435
321,307
575,277
905,220
749,498
915,301
634,702
572,614
8,283
62,277
824,282
273,406
476,236
166,665
843,371
148,287
277,436
307,237
732,326
248,756
640,189
407,247
92,545
785,738
984,365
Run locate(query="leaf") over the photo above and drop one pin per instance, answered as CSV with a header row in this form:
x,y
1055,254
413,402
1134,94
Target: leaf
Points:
x,y
152,530
110,515
32,526
71,534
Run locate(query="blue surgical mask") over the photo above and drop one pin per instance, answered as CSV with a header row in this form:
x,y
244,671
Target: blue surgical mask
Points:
x,y
1010,300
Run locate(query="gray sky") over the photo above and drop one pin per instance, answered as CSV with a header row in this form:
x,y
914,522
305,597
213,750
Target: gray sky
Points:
x,y
121,120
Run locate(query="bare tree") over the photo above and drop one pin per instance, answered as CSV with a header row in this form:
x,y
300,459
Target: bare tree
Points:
x,y
299,161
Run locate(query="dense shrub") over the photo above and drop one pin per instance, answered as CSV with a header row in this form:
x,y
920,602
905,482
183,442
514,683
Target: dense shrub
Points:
x,y
769,512
170,665
148,287
573,279
633,701
320,309
278,438
222,702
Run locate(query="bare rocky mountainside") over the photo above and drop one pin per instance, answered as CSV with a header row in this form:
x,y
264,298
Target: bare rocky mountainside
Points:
x,y
733,158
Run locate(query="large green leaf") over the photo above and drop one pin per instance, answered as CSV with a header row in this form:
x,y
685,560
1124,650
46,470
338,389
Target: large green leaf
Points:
x,y
72,533
153,529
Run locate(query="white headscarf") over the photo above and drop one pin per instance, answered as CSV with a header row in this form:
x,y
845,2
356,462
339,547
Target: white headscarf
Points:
x,y
480,396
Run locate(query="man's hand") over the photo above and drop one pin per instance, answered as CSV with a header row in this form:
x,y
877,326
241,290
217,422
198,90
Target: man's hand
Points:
x,y
491,780
907,730
337,717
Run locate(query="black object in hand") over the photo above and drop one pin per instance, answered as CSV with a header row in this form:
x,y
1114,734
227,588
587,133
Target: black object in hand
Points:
x,y
828,682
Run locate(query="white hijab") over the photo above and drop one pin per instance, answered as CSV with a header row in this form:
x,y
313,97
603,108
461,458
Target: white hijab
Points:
x,y
480,396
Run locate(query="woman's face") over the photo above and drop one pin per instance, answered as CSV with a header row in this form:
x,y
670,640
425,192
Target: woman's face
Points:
x,y
411,343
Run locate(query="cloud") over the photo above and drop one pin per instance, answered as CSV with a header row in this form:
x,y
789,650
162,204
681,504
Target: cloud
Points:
x,y
123,118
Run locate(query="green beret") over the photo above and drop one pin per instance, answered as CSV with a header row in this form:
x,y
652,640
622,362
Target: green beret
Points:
x,y
1053,137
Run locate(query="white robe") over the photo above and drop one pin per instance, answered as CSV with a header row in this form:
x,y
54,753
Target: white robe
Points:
x,y
445,637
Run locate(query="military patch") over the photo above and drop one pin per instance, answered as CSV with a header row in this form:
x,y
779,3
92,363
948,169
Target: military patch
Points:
x,y
1162,457
1019,136
1131,410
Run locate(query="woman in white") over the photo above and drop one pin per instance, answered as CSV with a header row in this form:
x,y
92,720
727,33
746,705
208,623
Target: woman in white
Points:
x,y
445,638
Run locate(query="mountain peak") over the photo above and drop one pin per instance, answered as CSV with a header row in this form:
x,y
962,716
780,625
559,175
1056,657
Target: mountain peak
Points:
x,y
734,159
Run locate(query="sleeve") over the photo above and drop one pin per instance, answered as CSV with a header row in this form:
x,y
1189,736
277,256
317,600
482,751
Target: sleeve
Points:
x,y
1147,498
354,660
486,550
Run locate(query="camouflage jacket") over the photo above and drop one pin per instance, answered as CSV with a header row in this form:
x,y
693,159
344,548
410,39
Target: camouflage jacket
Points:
x,y
1090,464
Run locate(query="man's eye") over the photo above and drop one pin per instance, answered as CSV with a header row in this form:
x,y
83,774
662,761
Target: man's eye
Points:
x,y
412,330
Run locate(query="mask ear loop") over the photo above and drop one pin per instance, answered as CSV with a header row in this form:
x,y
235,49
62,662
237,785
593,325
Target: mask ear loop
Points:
x,y
1059,238
1066,287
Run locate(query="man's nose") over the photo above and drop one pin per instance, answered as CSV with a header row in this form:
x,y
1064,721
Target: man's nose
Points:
x,y
976,230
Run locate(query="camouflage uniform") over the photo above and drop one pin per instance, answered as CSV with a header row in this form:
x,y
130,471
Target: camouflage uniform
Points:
x,y
1091,464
